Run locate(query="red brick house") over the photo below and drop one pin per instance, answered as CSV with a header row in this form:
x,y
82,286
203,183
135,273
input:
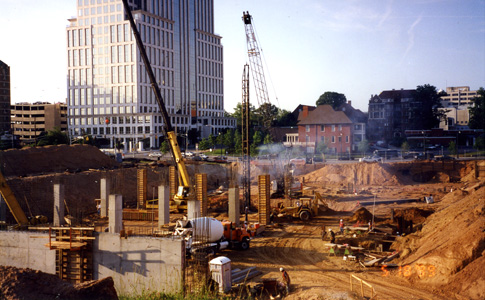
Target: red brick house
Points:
x,y
342,129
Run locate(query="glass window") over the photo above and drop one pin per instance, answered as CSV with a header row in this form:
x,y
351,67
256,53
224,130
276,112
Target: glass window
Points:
x,y
333,139
322,128
333,128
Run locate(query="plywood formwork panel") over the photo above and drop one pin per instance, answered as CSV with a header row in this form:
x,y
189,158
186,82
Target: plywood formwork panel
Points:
x,y
264,185
201,192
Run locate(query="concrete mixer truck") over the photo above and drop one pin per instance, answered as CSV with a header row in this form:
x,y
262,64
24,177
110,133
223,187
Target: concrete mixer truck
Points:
x,y
209,235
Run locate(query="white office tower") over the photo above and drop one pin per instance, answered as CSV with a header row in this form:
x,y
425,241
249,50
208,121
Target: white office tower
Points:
x,y
109,93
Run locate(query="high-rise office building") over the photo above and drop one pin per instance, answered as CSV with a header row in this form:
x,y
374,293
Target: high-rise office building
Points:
x,y
109,93
4,97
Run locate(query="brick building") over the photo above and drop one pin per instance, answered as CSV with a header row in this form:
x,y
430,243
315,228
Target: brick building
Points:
x,y
341,130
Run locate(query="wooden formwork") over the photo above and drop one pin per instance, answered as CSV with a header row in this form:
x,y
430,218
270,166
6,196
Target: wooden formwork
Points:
x,y
173,182
74,252
141,185
201,192
264,193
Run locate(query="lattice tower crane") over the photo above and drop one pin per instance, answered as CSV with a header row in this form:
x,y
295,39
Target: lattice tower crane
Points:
x,y
257,71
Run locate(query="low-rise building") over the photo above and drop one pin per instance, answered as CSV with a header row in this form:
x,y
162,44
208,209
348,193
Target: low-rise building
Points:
x,y
29,120
457,96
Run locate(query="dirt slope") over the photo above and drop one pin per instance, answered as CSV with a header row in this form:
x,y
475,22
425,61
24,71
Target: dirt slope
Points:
x,y
49,159
452,242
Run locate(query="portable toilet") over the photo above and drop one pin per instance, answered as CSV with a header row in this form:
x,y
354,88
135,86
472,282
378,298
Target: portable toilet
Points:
x,y
220,268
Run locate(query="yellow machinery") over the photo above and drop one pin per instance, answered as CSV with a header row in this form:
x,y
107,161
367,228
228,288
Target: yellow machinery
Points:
x,y
305,209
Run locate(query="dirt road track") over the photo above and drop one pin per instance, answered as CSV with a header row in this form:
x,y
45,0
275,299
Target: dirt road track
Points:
x,y
316,275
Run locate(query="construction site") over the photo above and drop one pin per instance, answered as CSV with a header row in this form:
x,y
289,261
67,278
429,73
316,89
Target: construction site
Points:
x,y
414,248
78,224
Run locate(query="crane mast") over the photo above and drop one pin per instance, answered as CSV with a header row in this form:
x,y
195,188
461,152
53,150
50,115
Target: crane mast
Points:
x,y
257,71
245,139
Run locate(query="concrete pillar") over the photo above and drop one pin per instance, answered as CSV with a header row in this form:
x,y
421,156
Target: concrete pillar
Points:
x,y
163,205
234,207
115,213
193,209
104,186
58,205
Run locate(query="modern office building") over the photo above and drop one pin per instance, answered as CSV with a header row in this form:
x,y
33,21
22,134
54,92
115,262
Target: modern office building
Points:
x,y
109,93
29,120
4,98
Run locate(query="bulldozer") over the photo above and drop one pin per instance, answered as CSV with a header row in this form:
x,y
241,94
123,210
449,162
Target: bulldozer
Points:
x,y
304,209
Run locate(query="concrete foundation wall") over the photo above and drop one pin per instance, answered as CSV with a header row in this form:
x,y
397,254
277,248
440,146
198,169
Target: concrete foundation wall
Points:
x,y
137,264
23,249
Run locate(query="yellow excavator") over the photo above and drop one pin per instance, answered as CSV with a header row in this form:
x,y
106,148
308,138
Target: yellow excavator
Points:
x,y
15,208
184,191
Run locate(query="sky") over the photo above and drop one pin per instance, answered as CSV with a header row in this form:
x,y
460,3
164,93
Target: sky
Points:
x,y
354,47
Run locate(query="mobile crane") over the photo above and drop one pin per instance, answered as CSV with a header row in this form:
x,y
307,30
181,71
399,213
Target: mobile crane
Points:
x,y
184,191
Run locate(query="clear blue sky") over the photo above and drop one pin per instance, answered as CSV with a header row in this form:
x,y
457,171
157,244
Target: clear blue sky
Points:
x,y
357,48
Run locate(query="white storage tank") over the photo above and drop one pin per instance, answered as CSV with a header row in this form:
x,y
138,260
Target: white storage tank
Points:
x,y
220,268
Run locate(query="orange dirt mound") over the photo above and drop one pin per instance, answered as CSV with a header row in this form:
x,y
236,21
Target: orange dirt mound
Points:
x,y
451,243
357,173
42,160
18,283
414,214
362,215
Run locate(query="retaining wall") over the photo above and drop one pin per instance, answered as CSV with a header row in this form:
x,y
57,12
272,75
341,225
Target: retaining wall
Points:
x,y
136,264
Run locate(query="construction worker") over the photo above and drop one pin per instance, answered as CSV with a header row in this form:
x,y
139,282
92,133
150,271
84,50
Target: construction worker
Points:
x,y
286,280
341,225
332,236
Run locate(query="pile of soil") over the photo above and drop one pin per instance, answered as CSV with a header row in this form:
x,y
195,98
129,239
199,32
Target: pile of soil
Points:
x,y
18,283
49,159
414,214
362,215
357,173
451,245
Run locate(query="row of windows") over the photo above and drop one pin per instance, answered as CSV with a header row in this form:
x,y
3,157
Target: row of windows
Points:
x,y
98,10
332,139
92,2
322,127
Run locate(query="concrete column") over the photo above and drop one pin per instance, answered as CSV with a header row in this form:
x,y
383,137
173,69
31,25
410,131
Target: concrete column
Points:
x,y
234,207
104,186
163,205
193,209
115,213
58,205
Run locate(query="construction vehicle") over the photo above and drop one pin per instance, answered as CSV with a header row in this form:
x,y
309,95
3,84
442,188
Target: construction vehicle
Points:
x,y
209,235
304,209
185,189
15,208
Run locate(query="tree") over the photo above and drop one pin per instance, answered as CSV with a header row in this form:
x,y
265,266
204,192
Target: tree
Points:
x,y
425,113
164,147
53,137
257,140
452,148
205,144
322,148
228,140
477,111
332,98
267,139
479,143
285,118
364,146
405,147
